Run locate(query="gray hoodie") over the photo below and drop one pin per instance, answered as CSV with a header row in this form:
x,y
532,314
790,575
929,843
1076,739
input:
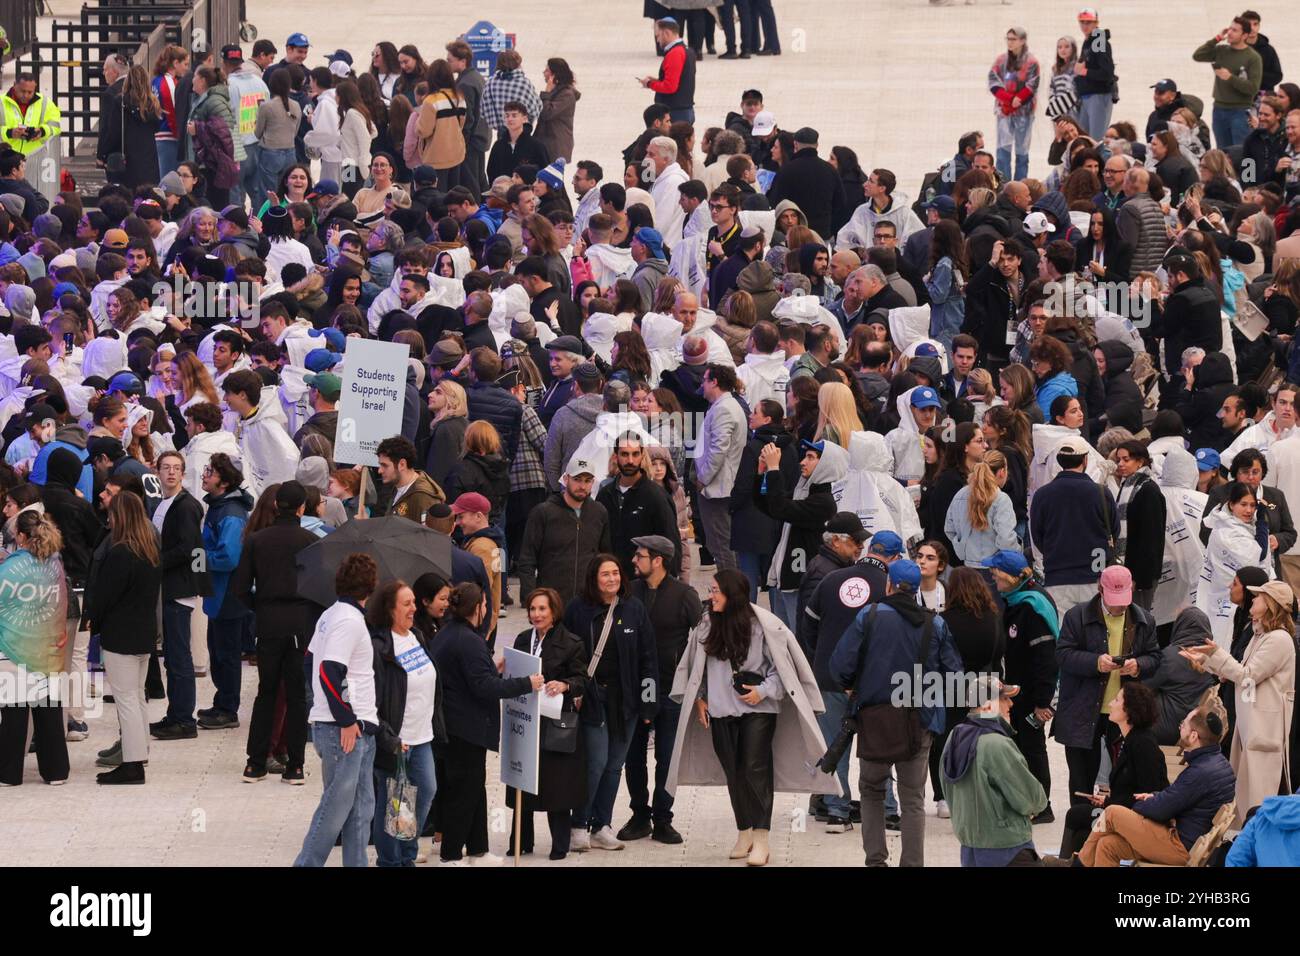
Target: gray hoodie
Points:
x,y
1178,687
569,427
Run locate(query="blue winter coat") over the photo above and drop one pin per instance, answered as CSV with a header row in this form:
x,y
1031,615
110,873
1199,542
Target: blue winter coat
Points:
x,y
223,534
1271,837
1062,383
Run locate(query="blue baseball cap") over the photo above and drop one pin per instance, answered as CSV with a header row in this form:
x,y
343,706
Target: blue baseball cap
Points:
x,y
905,574
946,205
925,397
1207,459
321,360
336,339
927,348
886,544
651,239
1007,561
126,383
817,446
298,39
63,288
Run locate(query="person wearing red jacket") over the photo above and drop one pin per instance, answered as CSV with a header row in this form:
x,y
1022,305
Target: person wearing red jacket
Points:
x,y
675,87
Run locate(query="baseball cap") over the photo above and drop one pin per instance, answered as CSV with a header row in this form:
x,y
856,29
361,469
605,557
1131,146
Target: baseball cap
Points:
x,y
237,215
340,54
1088,13
326,187
652,239
846,522
473,502
232,53
290,496
925,397
499,188
1117,586
320,360
818,446
333,337
327,383
1036,224
424,173
1279,591
116,239
298,39
125,382
905,574
989,688
38,413
656,544
806,136
1072,446
946,205
926,348
764,123
1165,86
1006,561
580,466
886,544
339,68
1207,459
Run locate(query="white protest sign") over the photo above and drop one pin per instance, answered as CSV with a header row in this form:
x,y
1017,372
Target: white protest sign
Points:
x,y
521,726
373,397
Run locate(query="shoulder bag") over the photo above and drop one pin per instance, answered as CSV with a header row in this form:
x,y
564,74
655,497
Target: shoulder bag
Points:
x,y
889,734
560,735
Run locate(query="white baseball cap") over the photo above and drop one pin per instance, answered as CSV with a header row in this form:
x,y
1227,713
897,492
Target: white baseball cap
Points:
x,y
1036,224
764,123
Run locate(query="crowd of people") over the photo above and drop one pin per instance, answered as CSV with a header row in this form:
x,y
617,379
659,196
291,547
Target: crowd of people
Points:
x,y
1033,440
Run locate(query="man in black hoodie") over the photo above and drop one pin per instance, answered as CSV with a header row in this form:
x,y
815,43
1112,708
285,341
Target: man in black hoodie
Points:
x,y
267,581
1191,314
1272,74
637,506
81,530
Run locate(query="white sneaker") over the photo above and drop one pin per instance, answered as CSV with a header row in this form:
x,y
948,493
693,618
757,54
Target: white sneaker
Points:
x,y
941,808
486,859
579,840
461,862
57,783
604,839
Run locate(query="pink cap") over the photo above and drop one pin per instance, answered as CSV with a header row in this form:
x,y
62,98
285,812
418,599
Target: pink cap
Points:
x,y
1117,586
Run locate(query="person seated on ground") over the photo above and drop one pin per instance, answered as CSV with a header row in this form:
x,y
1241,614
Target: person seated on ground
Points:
x,y
1139,766
1162,827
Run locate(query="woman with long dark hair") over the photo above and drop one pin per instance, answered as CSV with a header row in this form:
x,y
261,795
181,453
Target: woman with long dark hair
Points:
x,y
472,693
973,620
121,604
853,178
278,119
966,450
559,101
562,767
620,645
1105,256
432,592
946,281
413,70
1008,432
410,710
356,130
384,67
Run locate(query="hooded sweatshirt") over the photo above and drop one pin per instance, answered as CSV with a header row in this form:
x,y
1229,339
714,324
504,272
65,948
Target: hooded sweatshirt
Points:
x,y
764,377
804,514
759,281
860,229
569,427
989,788
1177,684
871,491
905,443
1271,837
268,453
609,264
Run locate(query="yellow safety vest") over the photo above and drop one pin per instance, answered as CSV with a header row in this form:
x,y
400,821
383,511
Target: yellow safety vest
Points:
x,y
40,113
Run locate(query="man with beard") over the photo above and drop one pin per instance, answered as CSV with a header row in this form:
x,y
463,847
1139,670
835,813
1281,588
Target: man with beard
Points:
x,y
564,534
637,506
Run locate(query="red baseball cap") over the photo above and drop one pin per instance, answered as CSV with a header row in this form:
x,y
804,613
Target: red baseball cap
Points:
x,y
471,501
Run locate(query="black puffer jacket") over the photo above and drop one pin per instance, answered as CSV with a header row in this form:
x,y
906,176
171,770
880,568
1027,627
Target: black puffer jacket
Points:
x,y
1199,407
494,404
489,475
1191,317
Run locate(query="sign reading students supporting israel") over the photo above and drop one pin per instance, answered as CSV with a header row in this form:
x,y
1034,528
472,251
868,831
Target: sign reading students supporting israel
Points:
x,y
521,726
374,394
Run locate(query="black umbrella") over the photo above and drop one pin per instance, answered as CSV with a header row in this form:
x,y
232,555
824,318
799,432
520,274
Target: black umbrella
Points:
x,y
401,547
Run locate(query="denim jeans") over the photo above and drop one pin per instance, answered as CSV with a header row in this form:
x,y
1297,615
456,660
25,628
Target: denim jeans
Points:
x,y
683,115
248,178
1231,127
664,726
837,705
785,605
347,804
754,567
1094,113
1014,131
224,640
271,164
391,851
605,756
179,663
168,155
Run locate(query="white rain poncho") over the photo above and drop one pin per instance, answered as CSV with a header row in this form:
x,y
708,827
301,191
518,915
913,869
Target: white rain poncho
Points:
x,y
832,467
1043,467
871,492
1184,556
1232,547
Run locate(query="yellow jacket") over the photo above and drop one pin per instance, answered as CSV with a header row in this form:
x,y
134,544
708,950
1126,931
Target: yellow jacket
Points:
x,y
41,113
